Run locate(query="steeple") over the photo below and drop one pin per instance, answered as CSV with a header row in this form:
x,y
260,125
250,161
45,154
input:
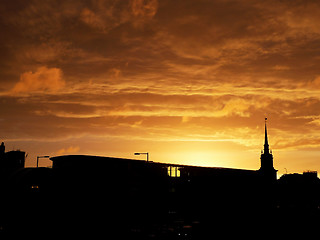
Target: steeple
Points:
x,y
266,170
266,144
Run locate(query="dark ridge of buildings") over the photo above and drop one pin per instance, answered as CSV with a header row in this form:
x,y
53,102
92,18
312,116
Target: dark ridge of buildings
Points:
x,y
299,191
88,161
137,199
12,160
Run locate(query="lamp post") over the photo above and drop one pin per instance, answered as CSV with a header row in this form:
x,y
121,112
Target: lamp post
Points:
x,y
146,153
38,157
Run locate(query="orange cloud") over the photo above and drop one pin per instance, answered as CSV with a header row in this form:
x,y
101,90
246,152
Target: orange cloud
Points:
x,y
43,79
68,150
144,8
92,19
315,83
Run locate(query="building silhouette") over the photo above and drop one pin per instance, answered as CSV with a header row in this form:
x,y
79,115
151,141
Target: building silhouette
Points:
x,y
12,160
150,200
267,170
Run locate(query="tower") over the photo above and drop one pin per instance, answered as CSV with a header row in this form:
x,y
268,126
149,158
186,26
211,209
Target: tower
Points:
x,y
2,150
267,170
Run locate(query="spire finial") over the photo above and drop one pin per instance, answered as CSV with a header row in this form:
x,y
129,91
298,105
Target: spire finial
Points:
x,y
266,144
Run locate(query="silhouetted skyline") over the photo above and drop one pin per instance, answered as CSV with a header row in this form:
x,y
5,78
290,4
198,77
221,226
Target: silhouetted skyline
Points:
x,y
143,199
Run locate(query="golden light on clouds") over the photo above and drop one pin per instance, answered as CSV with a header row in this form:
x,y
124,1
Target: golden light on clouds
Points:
x,y
112,77
43,79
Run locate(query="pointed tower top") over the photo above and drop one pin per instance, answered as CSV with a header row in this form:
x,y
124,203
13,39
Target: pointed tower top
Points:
x,y
266,144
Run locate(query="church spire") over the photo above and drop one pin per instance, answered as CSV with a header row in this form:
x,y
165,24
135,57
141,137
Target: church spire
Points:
x,y
267,170
266,144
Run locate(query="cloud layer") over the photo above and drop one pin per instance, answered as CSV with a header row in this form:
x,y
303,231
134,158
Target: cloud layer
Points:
x,y
164,70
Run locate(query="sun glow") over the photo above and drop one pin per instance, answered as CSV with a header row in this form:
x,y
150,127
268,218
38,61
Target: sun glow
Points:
x,y
201,158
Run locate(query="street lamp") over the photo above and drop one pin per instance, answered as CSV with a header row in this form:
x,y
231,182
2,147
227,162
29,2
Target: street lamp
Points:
x,y
38,157
146,153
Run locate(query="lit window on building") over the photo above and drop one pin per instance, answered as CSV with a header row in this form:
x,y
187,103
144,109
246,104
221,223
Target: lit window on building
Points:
x,y
173,171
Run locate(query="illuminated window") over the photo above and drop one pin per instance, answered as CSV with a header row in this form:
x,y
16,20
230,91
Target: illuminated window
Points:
x,y
173,171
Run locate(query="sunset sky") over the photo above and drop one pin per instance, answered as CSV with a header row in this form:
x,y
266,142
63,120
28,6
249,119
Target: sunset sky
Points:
x,y
189,81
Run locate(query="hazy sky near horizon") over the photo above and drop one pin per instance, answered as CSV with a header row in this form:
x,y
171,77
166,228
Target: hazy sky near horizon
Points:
x,y
188,81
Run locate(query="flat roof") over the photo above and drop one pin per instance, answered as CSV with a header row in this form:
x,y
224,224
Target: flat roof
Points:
x,y
82,158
